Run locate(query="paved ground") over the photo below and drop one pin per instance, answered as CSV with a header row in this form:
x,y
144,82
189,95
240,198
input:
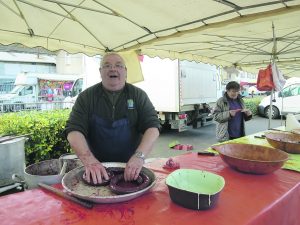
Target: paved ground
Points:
x,y
204,137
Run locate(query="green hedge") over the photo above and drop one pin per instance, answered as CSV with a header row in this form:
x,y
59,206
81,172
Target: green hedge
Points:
x,y
46,139
252,104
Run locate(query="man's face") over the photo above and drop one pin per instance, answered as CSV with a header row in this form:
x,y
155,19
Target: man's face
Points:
x,y
113,72
233,93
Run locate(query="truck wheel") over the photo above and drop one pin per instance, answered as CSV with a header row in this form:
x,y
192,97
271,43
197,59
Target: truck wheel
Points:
x,y
274,112
6,108
165,126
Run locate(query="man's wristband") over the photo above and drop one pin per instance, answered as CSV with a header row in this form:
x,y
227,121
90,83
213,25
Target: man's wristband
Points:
x,y
140,155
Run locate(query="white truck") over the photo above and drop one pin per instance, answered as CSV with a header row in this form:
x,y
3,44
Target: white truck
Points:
x,y
182,92
36,91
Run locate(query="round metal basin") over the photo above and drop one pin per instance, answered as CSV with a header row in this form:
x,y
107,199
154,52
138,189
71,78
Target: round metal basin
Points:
x,y
47,172
73,183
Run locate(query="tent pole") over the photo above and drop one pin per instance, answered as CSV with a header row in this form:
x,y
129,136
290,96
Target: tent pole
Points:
x,y
274,51
270,110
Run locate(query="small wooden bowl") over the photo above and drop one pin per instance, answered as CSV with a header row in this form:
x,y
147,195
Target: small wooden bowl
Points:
x,y
288,142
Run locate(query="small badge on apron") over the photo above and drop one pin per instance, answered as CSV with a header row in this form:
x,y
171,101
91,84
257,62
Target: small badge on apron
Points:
x,y
130,103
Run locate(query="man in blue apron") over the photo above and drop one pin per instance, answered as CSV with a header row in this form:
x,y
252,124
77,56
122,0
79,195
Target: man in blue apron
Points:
x,y
112,121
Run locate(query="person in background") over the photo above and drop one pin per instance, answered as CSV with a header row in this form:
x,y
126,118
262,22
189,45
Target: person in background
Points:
x,y
112,121
230,114
49,94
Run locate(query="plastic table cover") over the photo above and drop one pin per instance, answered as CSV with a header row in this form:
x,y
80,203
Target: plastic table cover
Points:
x,y
246,199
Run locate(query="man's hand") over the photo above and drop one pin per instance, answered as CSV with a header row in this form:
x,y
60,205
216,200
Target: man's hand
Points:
x,y
96,172
133,168
135,164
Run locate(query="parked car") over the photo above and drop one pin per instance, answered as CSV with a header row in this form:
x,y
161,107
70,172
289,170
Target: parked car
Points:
x,y
283,102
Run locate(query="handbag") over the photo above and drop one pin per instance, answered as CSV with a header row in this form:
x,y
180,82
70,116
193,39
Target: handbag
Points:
x,y
265,79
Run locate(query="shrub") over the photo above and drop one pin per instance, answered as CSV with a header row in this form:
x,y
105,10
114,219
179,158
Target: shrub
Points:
x,y
46,139
252,104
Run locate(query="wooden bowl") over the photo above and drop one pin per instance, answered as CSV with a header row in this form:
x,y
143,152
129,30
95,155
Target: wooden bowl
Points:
x,y
194,189
288,142
253,159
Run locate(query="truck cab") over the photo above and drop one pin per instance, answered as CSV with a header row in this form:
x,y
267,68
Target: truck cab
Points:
x,y
36,91
15,100
77,88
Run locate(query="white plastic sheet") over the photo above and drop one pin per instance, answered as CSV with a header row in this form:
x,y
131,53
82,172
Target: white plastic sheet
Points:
x,y
278,78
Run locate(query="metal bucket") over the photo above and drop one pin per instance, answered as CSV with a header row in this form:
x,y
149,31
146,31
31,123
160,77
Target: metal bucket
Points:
x,y
12,158
48,172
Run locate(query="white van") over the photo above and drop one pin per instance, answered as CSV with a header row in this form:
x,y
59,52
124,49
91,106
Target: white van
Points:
x,y
283,102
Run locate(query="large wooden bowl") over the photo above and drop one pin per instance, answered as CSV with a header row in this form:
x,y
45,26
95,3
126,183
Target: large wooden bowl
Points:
x,y
288,142
253,159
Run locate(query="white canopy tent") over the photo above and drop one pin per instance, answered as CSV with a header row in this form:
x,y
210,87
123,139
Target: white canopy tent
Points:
x,y
228,33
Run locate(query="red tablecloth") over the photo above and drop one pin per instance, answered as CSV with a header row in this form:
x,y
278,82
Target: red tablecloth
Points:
x,y
272,199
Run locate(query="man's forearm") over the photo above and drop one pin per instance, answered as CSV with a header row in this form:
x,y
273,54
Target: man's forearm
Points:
x,y
148,140
79,145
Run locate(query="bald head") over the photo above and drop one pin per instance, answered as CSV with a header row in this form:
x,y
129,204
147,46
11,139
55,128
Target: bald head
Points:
x,y
103,60
113,71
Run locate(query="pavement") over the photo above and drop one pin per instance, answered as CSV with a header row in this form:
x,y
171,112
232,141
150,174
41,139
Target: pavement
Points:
x,y
203,137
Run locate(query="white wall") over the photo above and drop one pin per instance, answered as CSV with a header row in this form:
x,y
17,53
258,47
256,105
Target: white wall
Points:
x,y
69,63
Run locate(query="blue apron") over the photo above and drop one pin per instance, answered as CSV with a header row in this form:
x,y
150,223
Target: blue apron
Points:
x,y
112,141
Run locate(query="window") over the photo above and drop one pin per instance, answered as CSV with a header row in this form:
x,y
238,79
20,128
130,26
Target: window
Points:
x,y
26,91
292,90
77,88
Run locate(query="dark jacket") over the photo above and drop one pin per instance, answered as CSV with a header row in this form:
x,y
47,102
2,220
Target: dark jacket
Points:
x,y
141,115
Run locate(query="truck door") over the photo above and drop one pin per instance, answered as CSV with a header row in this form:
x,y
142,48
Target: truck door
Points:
x,y
26,95
77,87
